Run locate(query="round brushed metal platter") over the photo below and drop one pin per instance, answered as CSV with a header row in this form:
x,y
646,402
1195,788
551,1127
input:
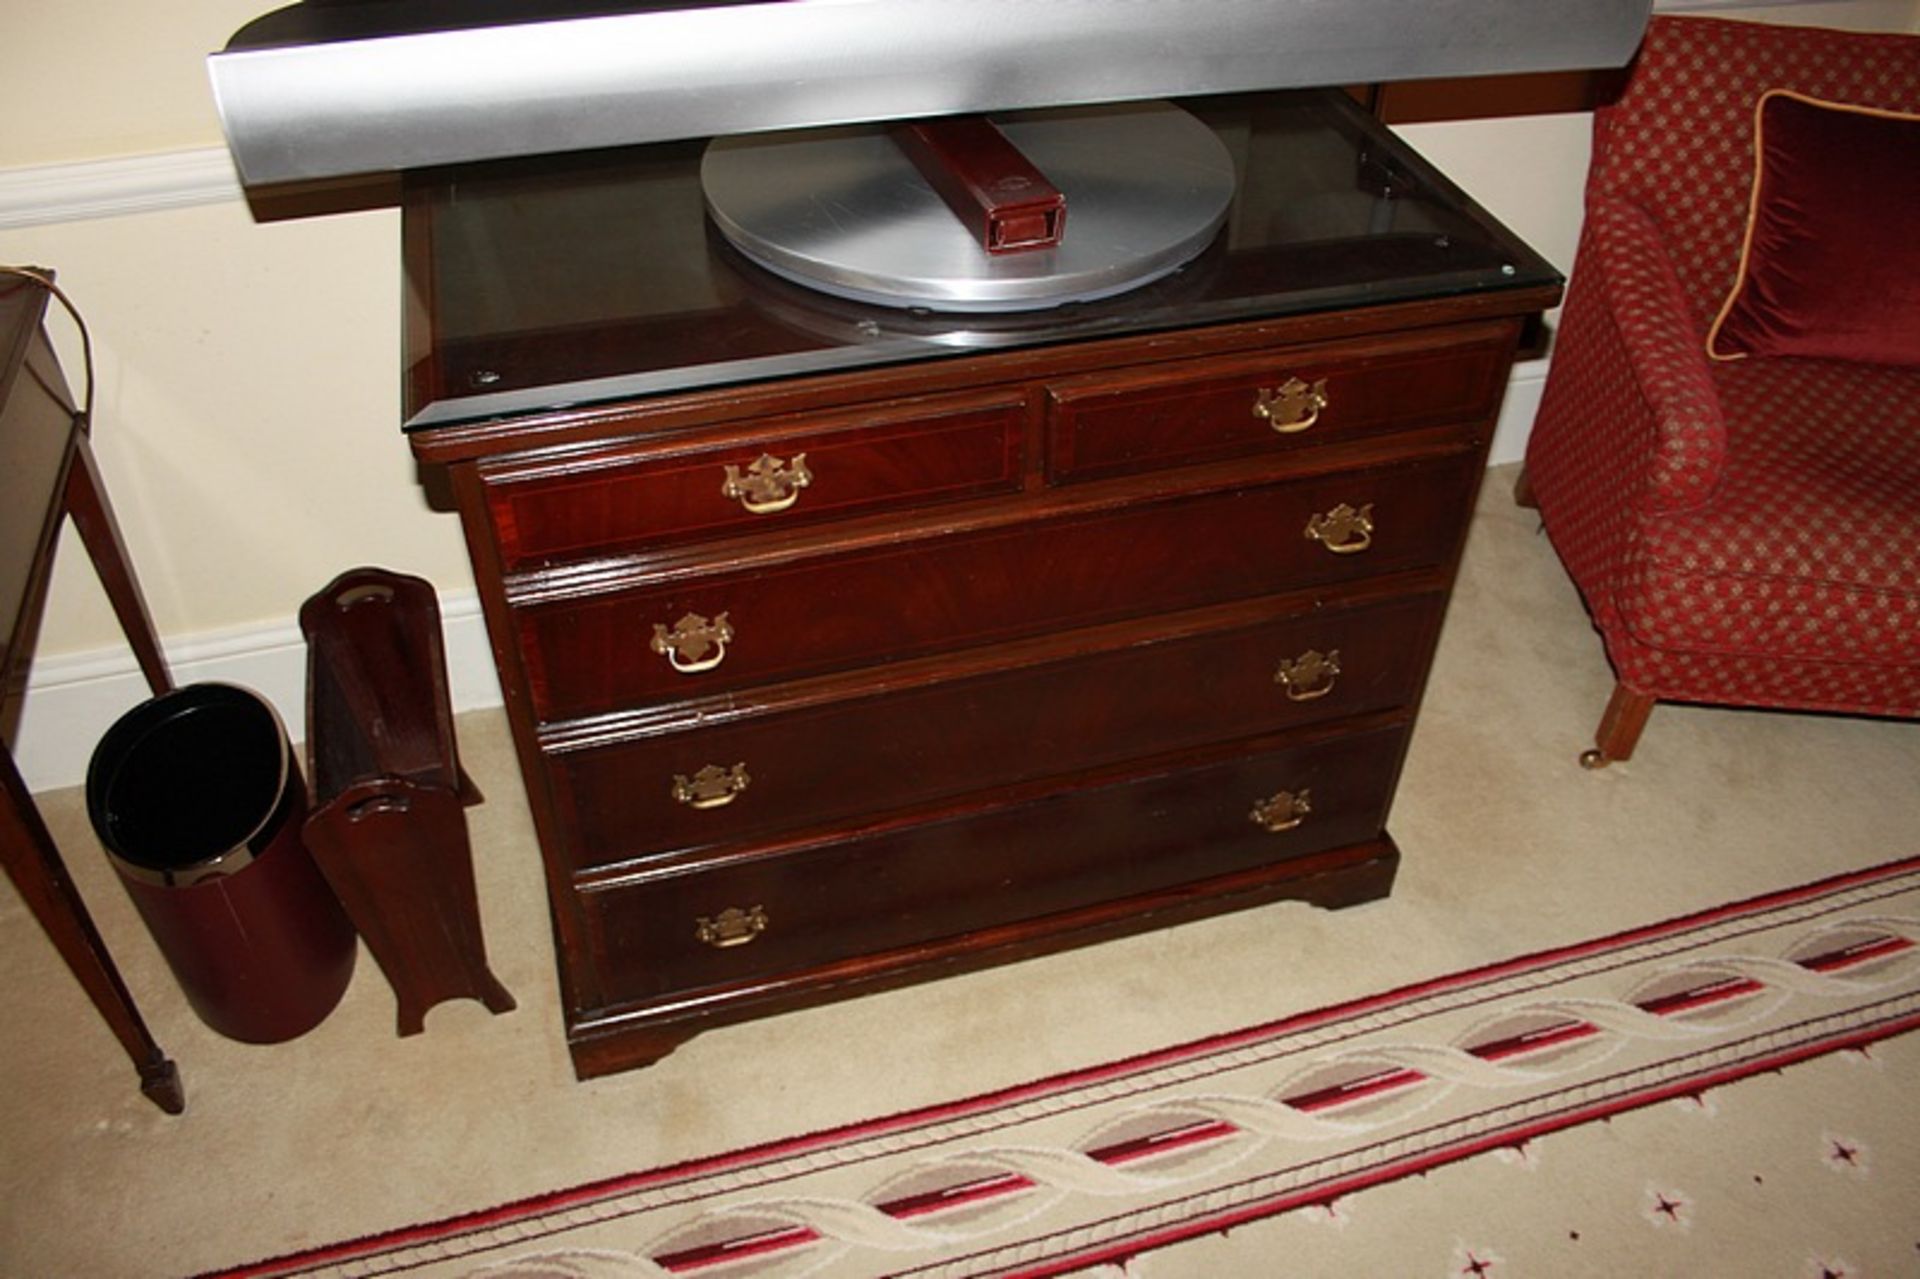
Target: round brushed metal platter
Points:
x,y
845,211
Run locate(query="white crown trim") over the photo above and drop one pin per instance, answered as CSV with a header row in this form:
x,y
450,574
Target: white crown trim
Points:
x,y
47,193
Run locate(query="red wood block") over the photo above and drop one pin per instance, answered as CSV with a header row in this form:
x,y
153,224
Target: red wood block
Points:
x,y
990,186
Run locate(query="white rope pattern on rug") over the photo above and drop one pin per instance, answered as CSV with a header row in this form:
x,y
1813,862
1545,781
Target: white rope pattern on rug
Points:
x,y
1338,1094
1182,1066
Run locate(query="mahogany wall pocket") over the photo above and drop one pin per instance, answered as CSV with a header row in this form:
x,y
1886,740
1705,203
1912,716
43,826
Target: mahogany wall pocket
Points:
x,y
387,826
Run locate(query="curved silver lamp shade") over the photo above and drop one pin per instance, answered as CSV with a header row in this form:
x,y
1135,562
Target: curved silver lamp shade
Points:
x,y
326,90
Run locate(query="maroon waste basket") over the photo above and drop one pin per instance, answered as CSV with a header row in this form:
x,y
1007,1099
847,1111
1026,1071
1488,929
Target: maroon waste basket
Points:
x,y
199,801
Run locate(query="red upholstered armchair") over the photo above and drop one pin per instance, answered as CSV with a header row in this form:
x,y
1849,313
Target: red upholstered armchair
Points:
x,y
1744,531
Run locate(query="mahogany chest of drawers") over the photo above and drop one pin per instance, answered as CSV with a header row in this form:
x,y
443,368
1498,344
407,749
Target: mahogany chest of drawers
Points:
x,y
845,647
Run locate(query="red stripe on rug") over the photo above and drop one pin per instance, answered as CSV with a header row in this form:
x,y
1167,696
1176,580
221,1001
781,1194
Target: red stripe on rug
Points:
x,y
553,1202
1325,1195
1518,1046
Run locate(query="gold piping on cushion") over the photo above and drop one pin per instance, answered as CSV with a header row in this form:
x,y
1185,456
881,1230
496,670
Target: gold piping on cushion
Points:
x,y
1753,200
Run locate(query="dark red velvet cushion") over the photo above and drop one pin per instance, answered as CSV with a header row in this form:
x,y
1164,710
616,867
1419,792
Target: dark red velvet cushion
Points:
x,y
1831,267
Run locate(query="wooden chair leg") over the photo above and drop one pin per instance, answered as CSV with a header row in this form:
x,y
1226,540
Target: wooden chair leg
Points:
x,y
1620,726
1523,491
86,500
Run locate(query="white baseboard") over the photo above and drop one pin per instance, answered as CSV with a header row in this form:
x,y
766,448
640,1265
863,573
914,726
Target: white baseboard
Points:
x,y
1525,386
72,699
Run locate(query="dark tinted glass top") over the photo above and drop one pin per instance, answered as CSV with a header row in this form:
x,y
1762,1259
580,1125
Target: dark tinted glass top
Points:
x,y
570,280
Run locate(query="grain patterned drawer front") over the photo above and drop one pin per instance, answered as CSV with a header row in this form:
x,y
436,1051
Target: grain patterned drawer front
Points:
x,y
706,927
755,477
790,768
1205,410
828,611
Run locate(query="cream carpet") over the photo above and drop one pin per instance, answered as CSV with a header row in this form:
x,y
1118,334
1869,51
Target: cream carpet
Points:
x,y
1509,848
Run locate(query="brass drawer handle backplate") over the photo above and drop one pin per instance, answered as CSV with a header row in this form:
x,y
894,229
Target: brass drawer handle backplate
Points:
x,y
1292,407
731,927
1283,810
1308,676
711,787
769,484
1343,530
694,644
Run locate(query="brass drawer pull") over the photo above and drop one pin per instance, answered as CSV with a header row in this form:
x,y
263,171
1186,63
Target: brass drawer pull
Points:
x,y
731,927
1291,408
711,787
1308,676
1343,530
769,485
694,644
1283,810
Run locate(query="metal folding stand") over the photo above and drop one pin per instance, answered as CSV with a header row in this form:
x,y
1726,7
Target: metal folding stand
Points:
x,y
47,473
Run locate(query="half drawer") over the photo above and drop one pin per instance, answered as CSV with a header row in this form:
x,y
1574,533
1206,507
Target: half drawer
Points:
x,y
1264,802
1294,397
755,476
832,608
723,775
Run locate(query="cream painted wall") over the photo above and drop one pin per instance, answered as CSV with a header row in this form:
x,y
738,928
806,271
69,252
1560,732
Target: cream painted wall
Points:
x,y
249,373
1530,171
247,412
104,77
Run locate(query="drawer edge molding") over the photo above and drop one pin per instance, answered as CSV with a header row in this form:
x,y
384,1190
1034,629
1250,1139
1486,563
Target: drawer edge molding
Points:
x,y
621,1036
862,896
908,599
553,508
530,588
1254,404
975,804
590,732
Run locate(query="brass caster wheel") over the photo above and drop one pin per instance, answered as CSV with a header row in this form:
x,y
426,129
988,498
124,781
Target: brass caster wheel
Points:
x,y
1595,758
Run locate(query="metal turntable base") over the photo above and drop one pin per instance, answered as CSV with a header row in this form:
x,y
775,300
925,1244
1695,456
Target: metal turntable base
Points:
x,y
844,210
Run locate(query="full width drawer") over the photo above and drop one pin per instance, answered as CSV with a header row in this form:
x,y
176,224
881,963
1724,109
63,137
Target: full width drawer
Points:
x,y
755,476
832,609
1271,402
806,906
780,768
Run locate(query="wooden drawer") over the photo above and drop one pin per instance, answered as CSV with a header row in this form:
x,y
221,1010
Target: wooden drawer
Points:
x,y
831,609
1143,419
674,490
804,907
1142,693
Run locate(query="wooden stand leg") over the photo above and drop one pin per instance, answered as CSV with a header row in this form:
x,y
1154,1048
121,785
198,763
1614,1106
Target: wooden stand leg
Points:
x,y
396,854
1620,726
1523,491
34,866
86,499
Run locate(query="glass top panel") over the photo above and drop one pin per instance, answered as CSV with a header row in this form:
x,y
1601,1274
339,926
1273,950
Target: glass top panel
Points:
x,y
536,285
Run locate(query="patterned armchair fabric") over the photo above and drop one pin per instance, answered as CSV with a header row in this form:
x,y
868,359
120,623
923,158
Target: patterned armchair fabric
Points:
x,y
1743,533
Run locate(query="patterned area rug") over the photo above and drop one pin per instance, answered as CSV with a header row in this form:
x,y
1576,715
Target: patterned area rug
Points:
x,y
1102,1165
